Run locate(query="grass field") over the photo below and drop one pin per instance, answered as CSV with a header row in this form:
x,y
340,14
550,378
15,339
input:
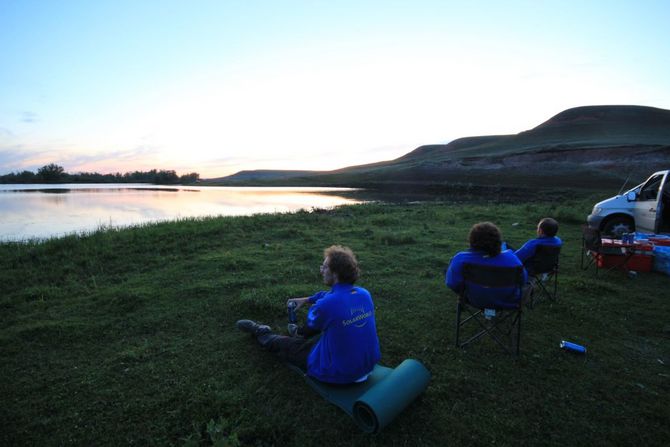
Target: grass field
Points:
x,y
127,337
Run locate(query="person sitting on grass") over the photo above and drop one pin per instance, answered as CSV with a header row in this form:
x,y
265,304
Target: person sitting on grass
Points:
x,y
339,342
485,244
546,235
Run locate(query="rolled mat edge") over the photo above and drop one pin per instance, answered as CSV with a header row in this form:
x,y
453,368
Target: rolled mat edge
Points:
x,y
378,406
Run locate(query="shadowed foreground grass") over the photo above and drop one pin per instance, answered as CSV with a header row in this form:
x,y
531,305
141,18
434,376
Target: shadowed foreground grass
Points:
x,y
127,337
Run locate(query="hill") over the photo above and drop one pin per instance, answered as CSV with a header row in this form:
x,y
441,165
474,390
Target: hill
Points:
x,y
579,147
265,174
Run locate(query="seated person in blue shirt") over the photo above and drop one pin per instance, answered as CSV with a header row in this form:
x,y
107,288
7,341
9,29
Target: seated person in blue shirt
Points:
x,y
485,243
546,235
338,343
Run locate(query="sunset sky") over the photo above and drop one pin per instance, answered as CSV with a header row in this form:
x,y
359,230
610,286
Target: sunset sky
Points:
x,y
219,86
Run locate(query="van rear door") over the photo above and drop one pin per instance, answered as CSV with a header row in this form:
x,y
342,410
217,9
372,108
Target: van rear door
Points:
x,y
646,205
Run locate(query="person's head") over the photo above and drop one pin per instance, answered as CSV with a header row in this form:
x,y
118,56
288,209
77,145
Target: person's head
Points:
x,y
339,265
547,227
486,237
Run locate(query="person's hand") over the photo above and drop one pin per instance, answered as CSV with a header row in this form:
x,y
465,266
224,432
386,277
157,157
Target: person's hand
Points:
x,y
299,302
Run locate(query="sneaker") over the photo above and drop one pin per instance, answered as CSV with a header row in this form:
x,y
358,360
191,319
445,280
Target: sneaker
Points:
x,y
292,329
253,328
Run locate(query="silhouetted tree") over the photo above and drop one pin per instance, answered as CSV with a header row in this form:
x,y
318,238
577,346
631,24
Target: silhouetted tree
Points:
x,y
51,173
18,177
191,177
166,177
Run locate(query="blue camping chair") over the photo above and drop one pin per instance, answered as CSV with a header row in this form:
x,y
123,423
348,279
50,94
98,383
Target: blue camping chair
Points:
x,y
543,273
498,314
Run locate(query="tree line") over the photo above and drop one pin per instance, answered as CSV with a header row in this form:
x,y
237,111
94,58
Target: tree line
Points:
x,y
53,173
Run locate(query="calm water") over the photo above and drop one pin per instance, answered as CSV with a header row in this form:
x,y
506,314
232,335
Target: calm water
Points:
x,y
41,211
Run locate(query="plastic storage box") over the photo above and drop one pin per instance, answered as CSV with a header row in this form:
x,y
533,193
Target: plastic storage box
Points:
x,y
662,259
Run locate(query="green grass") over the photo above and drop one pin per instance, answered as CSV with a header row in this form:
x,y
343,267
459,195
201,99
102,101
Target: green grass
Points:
x,y
127,337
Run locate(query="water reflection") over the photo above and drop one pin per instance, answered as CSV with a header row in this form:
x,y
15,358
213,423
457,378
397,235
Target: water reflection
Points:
x,y
40,211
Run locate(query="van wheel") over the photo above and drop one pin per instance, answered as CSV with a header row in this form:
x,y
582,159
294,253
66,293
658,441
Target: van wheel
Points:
x,y
617,226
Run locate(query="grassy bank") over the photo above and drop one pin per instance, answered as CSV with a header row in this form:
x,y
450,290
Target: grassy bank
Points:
x,y
127,337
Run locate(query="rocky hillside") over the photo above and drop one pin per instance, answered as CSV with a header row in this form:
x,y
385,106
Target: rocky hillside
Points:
x,y
580,147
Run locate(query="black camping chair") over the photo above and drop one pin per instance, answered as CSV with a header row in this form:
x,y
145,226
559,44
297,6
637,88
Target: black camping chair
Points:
x,y
501,320
592,248
543,273
591,245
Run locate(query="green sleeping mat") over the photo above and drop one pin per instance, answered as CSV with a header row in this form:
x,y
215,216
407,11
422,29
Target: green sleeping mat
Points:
x,y
374,403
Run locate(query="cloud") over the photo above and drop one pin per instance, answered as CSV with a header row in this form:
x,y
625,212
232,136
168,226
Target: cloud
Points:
x,y
4,132
18,157
29,117
15,158
138,158
10,154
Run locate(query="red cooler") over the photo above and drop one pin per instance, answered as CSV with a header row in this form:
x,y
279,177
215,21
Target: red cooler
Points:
x,y
638,256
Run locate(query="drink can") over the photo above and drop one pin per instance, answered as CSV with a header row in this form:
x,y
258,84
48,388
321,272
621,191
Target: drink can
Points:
x,y
291,312
573,347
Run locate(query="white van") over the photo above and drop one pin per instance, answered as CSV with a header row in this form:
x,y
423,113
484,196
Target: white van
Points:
x,y
645,208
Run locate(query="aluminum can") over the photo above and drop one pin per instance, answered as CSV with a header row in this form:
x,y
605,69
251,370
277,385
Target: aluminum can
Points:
x,y
573,347
291,312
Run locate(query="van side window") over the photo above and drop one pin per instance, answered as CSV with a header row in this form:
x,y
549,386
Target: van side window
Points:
x,y
650,190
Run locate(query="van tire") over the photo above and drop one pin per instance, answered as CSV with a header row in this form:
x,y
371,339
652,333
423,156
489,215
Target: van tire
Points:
x,y
617,226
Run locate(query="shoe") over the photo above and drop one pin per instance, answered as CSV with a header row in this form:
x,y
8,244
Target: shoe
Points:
x,y
292,329
253,328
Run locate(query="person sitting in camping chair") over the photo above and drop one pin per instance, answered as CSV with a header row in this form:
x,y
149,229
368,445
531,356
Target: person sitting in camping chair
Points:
x,y
547,229
489,280
485,249
540,258
339,342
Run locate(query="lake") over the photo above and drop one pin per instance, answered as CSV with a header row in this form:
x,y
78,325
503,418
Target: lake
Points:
x,y
43,211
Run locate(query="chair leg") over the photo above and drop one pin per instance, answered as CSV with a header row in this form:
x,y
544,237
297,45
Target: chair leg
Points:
x,y
504,330
458,322
518,331
531,301
556,285
593,259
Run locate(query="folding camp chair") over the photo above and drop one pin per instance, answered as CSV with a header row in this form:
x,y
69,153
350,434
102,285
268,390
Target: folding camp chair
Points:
x,y
591,244
593,249
500,320
542,272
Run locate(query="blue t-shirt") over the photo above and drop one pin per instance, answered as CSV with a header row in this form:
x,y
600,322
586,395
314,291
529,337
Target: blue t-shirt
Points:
x,y
528,250
479,295
348,348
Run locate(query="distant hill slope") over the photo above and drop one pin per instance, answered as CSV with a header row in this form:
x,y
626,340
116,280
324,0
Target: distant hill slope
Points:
x,y
265,174
583,146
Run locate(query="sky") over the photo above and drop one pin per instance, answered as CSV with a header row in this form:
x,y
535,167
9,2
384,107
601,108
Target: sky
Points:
x,y
219,86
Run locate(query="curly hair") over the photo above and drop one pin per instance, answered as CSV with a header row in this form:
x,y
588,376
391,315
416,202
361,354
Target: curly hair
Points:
x,y
549,226
342,262
486,237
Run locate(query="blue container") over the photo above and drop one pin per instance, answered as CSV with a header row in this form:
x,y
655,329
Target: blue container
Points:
x,y
573,347
662,259
291,312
